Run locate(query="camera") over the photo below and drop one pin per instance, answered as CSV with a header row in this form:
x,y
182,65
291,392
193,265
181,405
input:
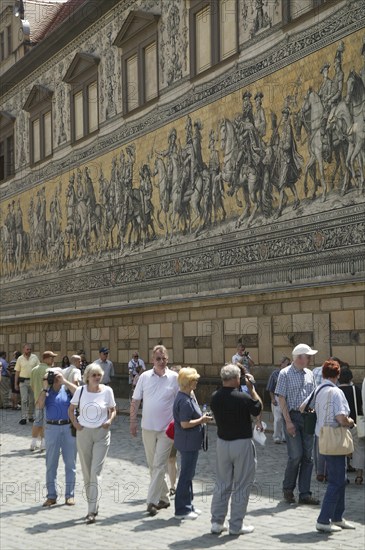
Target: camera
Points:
x,y
245,353
50,378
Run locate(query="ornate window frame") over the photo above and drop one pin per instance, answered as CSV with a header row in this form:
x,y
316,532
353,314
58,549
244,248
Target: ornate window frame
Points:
x,y
7,146
39,105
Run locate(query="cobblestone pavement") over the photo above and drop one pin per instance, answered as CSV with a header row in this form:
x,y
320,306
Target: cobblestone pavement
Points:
x,y
122,520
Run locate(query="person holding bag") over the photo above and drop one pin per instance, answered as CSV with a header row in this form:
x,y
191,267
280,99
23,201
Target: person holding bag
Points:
x,y
332,411
97,410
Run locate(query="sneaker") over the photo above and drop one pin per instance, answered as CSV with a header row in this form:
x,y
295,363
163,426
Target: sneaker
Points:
x,y
33,445
152,509
217,528
277,441
245,530
190,515
344,524
289,497
49,502
309,500
70,501
327,527
197,511
22,421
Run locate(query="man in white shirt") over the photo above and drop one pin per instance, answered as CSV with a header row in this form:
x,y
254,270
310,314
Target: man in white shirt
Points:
x,y
158,388
106,365
133,364
242,358
23,368
73,372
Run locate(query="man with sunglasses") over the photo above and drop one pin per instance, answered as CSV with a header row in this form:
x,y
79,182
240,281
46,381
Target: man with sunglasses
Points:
x,y
106,365
158,388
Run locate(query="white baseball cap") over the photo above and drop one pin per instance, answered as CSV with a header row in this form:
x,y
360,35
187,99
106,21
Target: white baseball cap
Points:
x,y
304,349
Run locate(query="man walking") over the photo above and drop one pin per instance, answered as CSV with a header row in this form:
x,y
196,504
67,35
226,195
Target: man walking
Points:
x,y
106,365
23,368
158,388
36,383
236,456
295,384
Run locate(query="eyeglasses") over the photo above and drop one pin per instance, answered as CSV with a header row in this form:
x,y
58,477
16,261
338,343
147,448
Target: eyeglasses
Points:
x,y
105,352
161,359
136,356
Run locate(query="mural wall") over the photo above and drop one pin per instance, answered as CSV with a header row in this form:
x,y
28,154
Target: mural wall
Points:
x,y
280,148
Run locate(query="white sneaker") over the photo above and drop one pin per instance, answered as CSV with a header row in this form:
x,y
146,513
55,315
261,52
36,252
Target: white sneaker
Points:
x,y
344,524
245,530
197,511
190,515
33,445
217,528
327,527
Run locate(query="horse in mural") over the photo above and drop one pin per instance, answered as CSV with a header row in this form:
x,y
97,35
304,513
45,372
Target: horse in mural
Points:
x,y
349,119
248,177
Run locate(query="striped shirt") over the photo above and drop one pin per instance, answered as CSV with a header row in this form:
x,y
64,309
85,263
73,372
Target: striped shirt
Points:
x,y
295,385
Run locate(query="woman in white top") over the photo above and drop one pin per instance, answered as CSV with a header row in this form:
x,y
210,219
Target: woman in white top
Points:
x,y
96,405
332,409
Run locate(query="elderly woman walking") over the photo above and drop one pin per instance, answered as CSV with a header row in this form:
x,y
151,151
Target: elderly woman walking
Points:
x,y
333,410
96,411
187,440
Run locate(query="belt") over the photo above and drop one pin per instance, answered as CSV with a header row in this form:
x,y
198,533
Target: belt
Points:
x,y
21,378
58,422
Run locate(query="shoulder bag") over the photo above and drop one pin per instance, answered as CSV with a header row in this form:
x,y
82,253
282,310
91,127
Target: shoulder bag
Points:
x,y
335,440
77,412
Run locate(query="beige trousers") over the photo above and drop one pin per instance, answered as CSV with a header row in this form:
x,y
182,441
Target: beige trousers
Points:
x,y
157,447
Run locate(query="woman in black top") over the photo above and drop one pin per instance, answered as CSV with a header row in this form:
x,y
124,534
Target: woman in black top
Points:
x,y
350,391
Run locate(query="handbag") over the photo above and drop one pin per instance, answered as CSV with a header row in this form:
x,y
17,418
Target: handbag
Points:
x,y
335,440
170,430
360,418
77,412
310,416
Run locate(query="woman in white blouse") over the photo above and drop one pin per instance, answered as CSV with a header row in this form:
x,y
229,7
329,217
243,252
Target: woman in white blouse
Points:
x,y
96,411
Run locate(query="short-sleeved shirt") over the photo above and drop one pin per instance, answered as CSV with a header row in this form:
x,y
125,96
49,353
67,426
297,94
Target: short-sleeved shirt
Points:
x,y
158,394
271,385
295,385
242,359
317,374
132,366
108,369
186,408
94,406
329,403
72,374
36,379
24,365
232,411
57,404
4,367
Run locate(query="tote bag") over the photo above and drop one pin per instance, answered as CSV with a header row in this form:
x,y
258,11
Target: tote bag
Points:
x,y
335,440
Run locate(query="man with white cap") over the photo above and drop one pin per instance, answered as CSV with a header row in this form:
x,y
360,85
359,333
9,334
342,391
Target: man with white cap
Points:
x,y
295,384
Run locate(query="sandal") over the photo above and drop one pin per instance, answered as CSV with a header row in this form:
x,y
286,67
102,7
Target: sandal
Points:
x,y
358,480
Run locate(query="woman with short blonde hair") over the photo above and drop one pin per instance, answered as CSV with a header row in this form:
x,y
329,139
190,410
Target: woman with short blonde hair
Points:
x,y
188,440
91,369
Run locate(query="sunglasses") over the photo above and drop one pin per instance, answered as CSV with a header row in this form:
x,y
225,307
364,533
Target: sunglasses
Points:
x,y
95,374
161,359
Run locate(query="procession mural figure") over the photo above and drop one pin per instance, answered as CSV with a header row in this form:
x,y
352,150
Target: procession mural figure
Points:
x,y
203,178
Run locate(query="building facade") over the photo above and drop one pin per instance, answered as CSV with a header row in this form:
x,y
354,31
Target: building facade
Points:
x,y
188,173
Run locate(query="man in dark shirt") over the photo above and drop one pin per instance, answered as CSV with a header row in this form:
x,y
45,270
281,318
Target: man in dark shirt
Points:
x,y
236,456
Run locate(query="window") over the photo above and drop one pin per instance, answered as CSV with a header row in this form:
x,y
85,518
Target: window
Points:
x,y
2,46
9,40
138,41
213,33
6,145
82,76
295,8
39,107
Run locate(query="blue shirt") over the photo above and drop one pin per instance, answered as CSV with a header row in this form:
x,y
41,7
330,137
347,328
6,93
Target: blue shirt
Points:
x,y
295,385
186,408
271,385
4,367
57,404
